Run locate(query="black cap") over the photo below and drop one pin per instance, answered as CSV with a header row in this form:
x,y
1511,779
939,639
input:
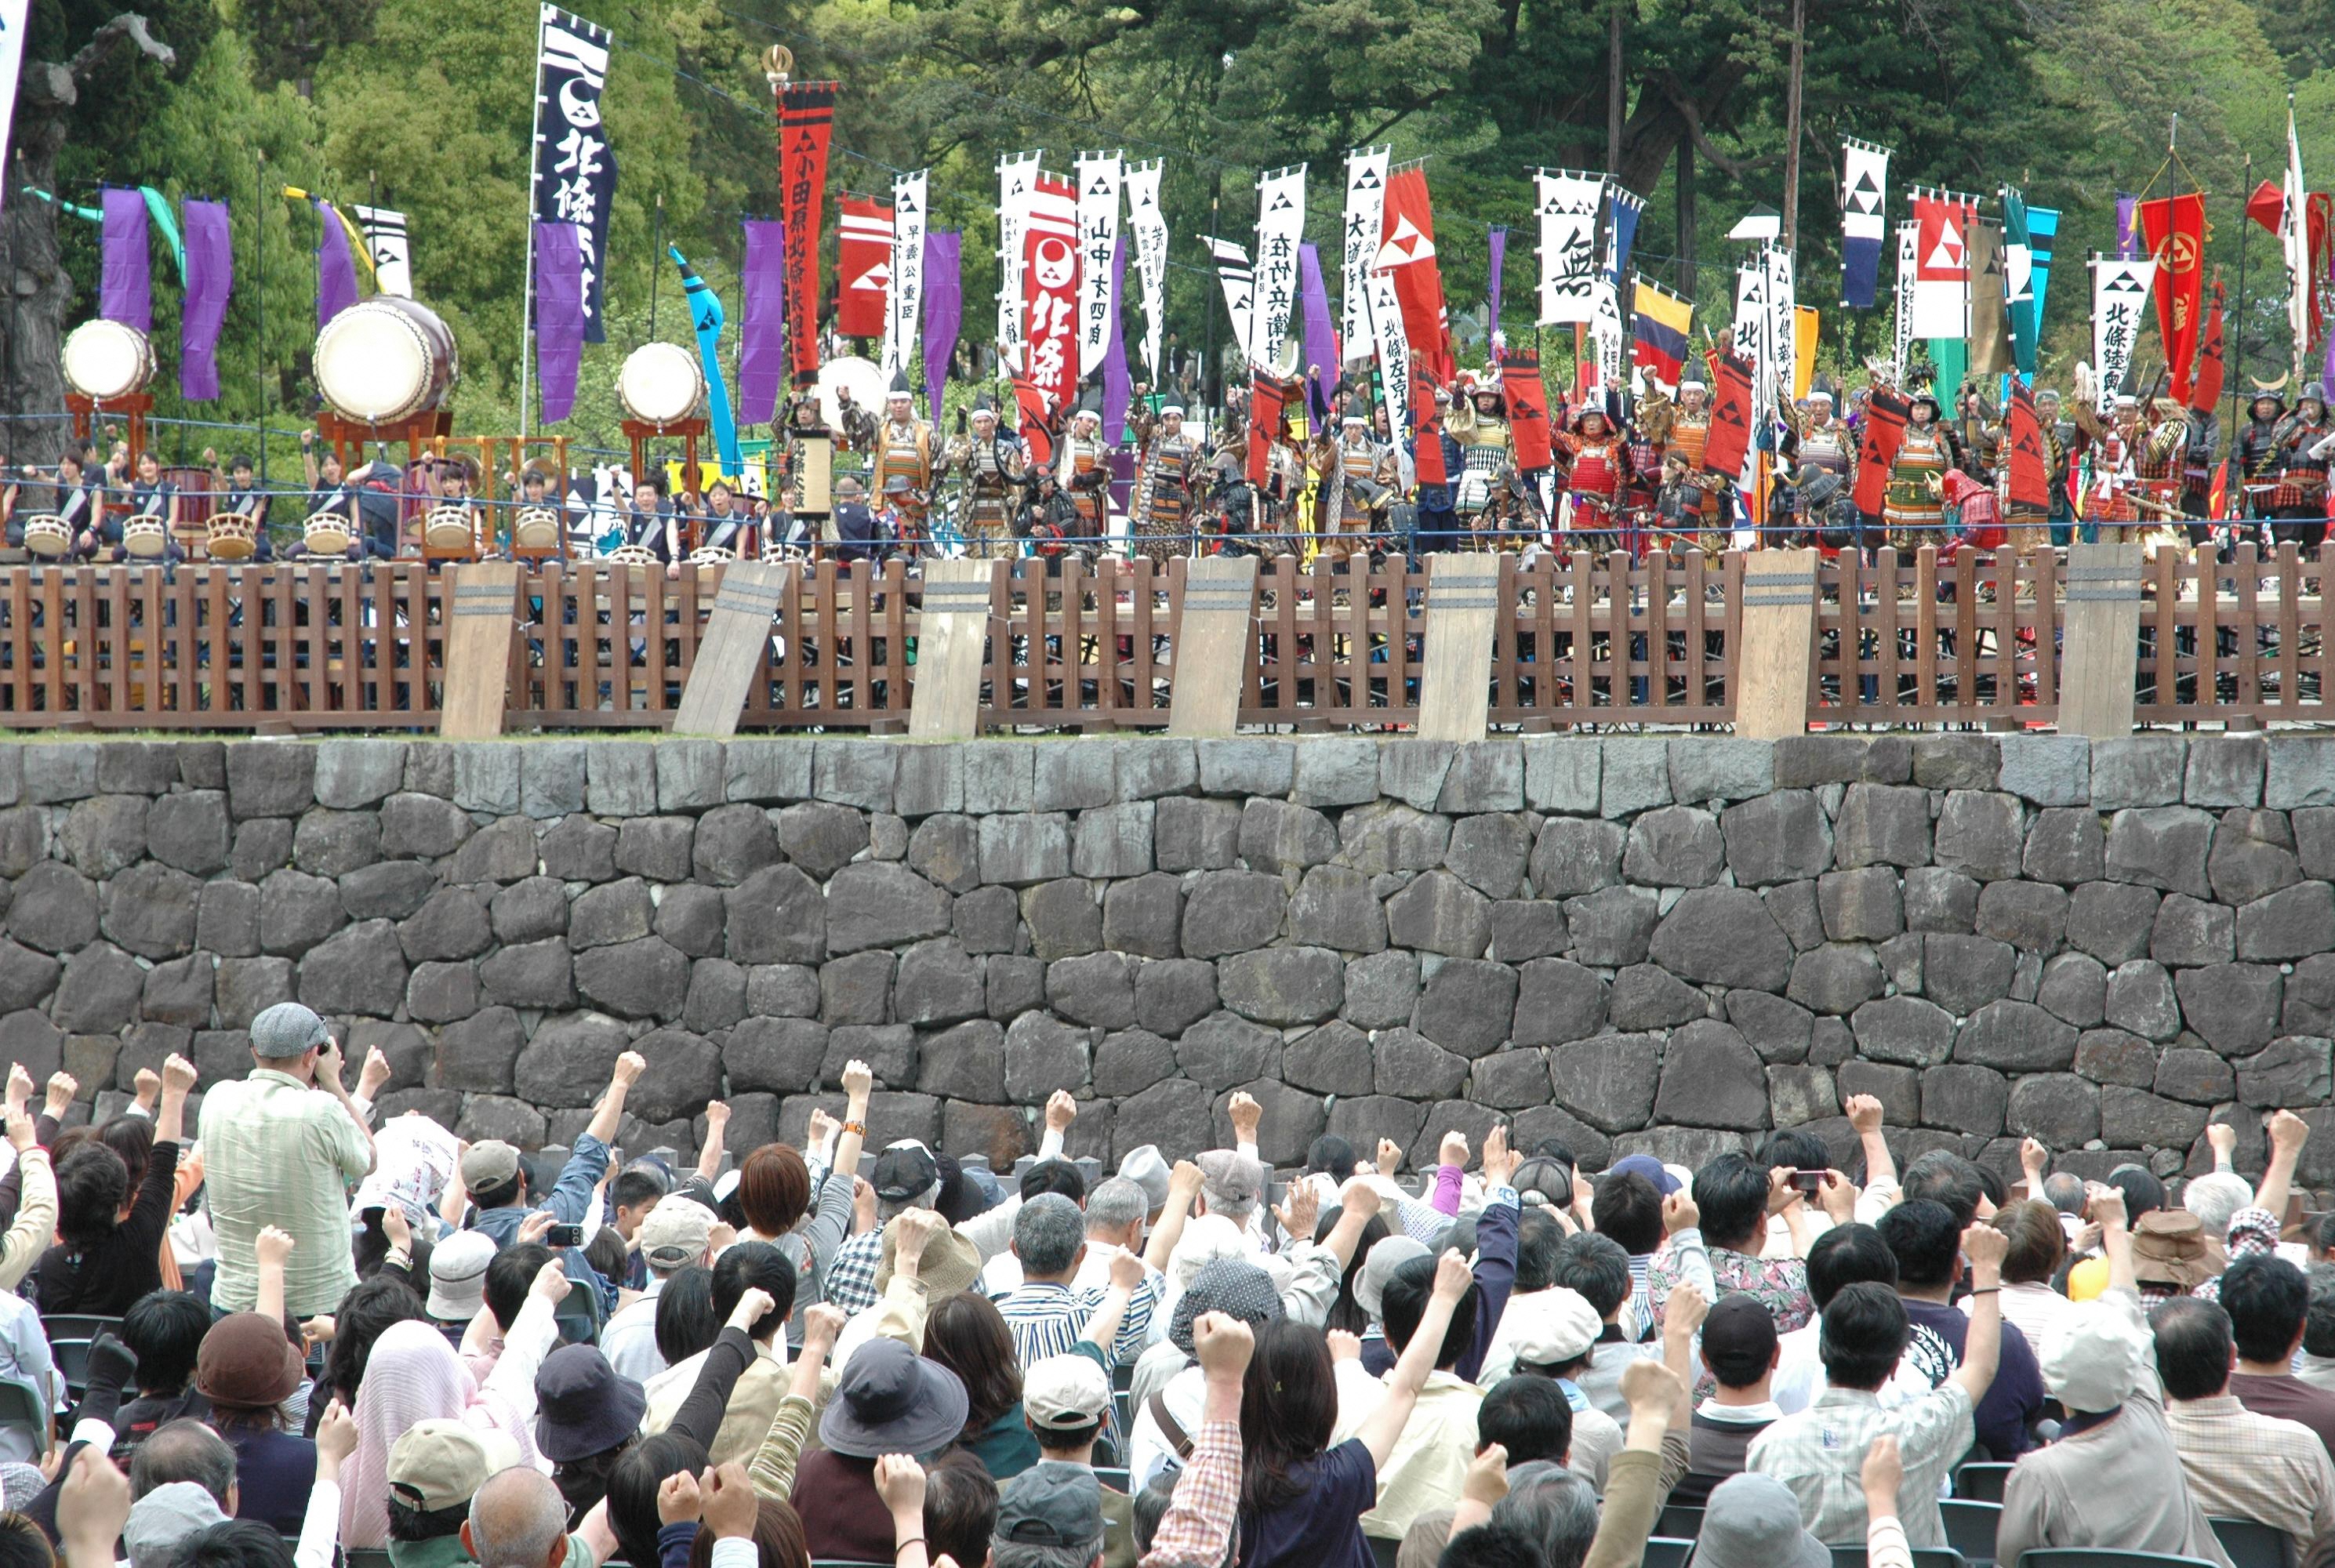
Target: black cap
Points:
x,y
1738,1331
905,1171
1052,1504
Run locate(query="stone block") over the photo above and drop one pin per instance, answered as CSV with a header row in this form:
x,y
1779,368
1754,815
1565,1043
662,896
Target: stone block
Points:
x,y
1338,1058
2141,998
360,970
2059,1108
1073,774
226,920
1904,1030
855,772
1151,766
1981,832
2031,917
1019,849
1526,928
946,850
2163,847
531,974
2292,1070
1389,838
1485,776
2309,1004
1064,918
1000,775
1171,1115
2233,1007
1382,990
1094,988
264,779
1488,851
2066,845
2133,1118
1281,985
620,778
1438,913
2047,769
1674,847
1228,912
1246,766
2113,1055
1861,905
966,1062
1898,1088
1836,977
779,1054
2015,1036
1043,1054
1614,925
1963,973
1577,855
1799,1095
1882,825
1173,994
2301,772
579,849
1113,840
1013,984
2225,770
2295,923
1939,899
765,770
2137,770
1965,1100
1561,773
1334,908
2075,988
441,992
1637,775
888,1051
2114,922
1719,936
1412,770
152,910
136,768
855,989
1144,916
648,978
2253,856
717,996
880,905
1510,1079
1468,1006
1956,761
1608,1081
1413,1067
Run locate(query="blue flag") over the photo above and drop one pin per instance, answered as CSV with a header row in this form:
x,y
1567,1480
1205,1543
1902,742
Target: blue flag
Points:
x,y
705,313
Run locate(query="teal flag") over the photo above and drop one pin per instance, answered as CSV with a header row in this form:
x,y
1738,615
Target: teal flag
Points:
x,y
2018,281
2042,233
705,313
168,222
1952,357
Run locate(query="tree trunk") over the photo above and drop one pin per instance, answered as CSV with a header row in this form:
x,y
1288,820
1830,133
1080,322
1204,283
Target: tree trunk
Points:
x,y
1686,279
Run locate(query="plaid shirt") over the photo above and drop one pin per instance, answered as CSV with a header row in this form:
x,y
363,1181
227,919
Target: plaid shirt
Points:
x,y
2253,1232
1199,1525
2243,1465
1781,1284
1820,1454
851,1277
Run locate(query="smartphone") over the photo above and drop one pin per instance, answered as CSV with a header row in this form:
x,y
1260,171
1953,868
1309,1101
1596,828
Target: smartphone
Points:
x,y
1808,1181
563,1236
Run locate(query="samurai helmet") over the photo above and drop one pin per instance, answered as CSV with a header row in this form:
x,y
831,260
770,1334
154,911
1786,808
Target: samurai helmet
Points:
x,y
899,387
2313,391
2277,404
1925,396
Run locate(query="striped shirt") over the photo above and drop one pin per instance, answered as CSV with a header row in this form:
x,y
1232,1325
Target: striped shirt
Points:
x,y
1049,1319
2245,1466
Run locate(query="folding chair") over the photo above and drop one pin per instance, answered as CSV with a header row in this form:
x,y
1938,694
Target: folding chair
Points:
x,y
20,1409
2088,1557
1980,1483
1679,1522
1667,1552
1971,1527
2254,1544
1924,1557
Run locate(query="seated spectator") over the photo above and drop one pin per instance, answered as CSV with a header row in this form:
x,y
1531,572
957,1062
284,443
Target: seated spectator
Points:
x,y
967,1336
686,1322
1946,1177
1539,1239
1554,1337
807,1221
1554,1508
1330,1163
672,1236
26,1362
2239,1464
1734,1197
1066,1399
1865,1331
512,1274
2268,1300
1167,1423
1530,1422
164,1330
1738,1346
1754,1521
633,1192
1923,1235
435,1469
2038,1244
1347,1311
587,1415
1795,1227
107,1256
248,1368
2316,1365
33,1224
1431,1454
364,1315
457,1278
753,1402
186,1451
1045,1316
1387,1253
1627,1208
2171,1256
1844,1255
889,1400
164,1519
960,1508
497,1179
1050,1516
1003,1275
516,1521
1116,1214
2115,1444
635,1482
1595,1268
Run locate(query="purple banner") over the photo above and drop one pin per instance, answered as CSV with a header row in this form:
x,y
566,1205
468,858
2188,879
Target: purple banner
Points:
x,y
210,277
1498,254
944,304
1117,385
2128,243
1322,362
558,316
125,289
763,337
336,269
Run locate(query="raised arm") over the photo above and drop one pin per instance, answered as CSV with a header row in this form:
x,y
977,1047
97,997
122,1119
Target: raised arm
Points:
x,y
2287,1134
170,1117
1983,1245
1183,1187
329,1078
1633,1494
36,1221
609,1115
272,1248
1880,1165
1197,1529
857,1081
1386,1423
717,1123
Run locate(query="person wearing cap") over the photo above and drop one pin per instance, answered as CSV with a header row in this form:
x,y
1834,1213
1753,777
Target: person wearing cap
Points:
x,y
1866,1333
435,1469
457,1278
1754,1521
275,1152
673,1236
1554,1336
1595,1268
887,1400
1147,1168
1050,1515
924,1262
246,1368
1923,1235
1739,1345
2115,1443
1066,1402
2239,1464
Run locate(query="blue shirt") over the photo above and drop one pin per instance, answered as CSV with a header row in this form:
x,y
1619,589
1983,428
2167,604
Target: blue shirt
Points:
x,y
569,1200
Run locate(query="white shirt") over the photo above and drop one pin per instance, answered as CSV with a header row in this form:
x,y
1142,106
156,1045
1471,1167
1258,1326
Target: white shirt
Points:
x,y
629,1342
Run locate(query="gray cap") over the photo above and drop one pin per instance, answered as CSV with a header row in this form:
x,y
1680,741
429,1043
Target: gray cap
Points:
x,y
287,1030
1053,1503
1390,1254
1147,1168
1753,1521
163,1518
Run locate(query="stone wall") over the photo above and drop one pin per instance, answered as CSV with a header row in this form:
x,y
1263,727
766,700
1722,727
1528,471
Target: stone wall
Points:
x,y
1658,943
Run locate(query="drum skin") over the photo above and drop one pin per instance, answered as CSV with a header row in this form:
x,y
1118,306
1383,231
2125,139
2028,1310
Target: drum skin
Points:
x,y
231,538
384,360
448,528
661,383
107,359
535,528
47,534
632,555
325,534
145,537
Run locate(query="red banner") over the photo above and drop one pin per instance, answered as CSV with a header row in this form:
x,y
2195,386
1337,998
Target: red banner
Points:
x,y
1876,448
2317,213
1267,398
2174,227
2267,207
806,121
1731,416
1407,250
1941,247
1050,293
1427,429
862,268
2207,395
1030,413
1528,408
2028,492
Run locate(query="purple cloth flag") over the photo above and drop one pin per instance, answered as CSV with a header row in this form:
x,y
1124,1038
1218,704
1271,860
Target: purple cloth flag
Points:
x,y
336,269
1117,386
125,289
1320,337
1499,255
944,304
558,316
210,277
762,336
2127,231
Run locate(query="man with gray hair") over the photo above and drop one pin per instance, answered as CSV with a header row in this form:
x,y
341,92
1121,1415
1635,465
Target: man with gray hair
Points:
x,y
277,1152
1046,1314
517,1520
1117,1212
1048,1516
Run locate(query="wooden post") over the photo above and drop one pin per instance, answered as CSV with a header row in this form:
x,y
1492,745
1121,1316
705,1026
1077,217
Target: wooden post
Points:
x,y
1214,645
736,636
482,600
1769,660
951,632
2099,651
1455,674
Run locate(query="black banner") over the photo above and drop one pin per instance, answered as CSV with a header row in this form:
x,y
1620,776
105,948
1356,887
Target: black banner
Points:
x,y
575,171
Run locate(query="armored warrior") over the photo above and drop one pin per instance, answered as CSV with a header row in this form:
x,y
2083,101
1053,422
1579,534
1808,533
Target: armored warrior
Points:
x,y
1165,483
994,467
903,450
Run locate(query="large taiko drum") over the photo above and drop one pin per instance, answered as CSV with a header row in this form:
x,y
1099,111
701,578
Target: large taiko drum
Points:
x,y
661,383
385,359
863,378
105,360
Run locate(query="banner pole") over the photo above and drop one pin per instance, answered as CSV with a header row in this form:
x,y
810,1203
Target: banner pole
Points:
x,y
526,276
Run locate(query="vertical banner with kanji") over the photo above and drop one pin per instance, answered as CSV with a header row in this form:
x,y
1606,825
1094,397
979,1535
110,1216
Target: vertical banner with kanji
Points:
x,y
1150,227
1753,322
1280,226
1783,323
1366,178
1908,269
909,216
573,171
1049,292
2119,290
1017,184
1567,205
862,268
1393,350
1099,175
806,121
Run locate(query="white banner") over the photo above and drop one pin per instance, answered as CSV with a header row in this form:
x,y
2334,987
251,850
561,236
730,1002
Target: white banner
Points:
x,y
2293,242
1280,226
1150,231
1942,303
1606,328
2119,304
1908,266
1394,353
11,62
1783,325
1567,204
1099,176
1753,326
901,323
1366,178
384,231
1240,289
1017,182
1864,192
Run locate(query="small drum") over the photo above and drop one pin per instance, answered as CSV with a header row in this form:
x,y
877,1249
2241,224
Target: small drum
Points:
x,y
106,359
232,536
47,534
632,555
661,383
325,534
711,555
536,530
146,538
448,528
384,360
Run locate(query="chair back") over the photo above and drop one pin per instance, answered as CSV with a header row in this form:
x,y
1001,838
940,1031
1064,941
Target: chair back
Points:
x,y
20,1409
364,1557
1382,1550
2252,1543
1680,1521
2095,1557
1971,1527
1980,1483
1667,1552
1924,1557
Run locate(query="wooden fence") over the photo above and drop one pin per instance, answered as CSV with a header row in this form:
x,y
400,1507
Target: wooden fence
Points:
x,y
1897,641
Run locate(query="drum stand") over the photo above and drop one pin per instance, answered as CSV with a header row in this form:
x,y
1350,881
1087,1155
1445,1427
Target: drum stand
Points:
x,y
482,496
554,492
640,432
348,439
86,411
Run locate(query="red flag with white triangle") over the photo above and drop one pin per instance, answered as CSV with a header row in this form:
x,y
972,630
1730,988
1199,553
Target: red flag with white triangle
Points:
x,y
1407,253
863,273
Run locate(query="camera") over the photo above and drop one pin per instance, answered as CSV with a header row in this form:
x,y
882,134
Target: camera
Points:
x,y
563,1236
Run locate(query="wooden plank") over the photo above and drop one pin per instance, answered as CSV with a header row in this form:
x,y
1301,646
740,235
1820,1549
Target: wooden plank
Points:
x,y
1213,645
2101,660
1455,674
484,598
1771,670
951,632
743,608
